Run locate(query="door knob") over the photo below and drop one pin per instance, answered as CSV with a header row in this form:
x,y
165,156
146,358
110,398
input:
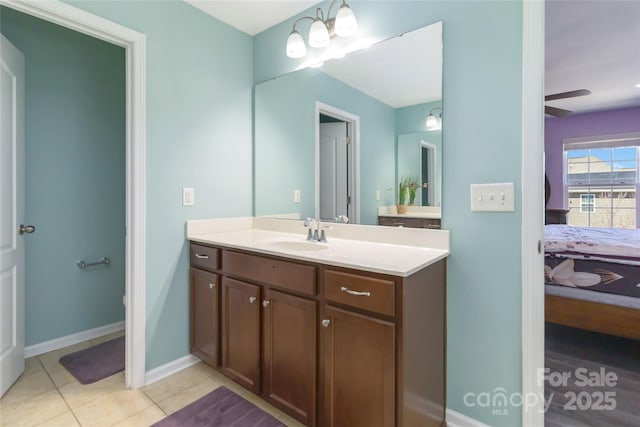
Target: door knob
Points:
x,y
26,229
325,322
252,299
265,303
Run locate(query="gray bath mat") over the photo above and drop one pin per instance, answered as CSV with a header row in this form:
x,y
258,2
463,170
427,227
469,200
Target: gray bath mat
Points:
x,y
97,362
220,408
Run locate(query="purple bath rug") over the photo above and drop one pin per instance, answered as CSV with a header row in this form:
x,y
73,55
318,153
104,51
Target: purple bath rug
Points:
x,y
95,363
220,408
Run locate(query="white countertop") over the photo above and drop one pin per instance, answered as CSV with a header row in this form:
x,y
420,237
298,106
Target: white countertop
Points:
x,y
386,250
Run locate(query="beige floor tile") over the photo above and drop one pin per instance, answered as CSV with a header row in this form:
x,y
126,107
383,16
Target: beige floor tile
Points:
x,y
175,383
77,394
65,420
26,387
32,365
108,337
186,396
33,411
149,416
219,378
51,358
113,408
290,422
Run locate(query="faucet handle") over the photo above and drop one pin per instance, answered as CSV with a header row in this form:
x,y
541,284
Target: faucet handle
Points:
x,y
323,237
342,218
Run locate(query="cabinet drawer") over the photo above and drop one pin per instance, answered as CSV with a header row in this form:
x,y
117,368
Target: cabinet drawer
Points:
x,y
363,292
204,257
287,275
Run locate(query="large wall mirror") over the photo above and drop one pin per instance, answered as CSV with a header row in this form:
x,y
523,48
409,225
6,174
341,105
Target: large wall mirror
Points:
x,y
336,140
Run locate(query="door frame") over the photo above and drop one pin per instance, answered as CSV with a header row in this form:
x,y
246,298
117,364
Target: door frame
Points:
x,y
433,173
353,124
134,44
532,206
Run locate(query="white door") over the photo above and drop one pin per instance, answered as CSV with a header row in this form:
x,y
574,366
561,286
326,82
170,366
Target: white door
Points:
x,y
334,185
11,213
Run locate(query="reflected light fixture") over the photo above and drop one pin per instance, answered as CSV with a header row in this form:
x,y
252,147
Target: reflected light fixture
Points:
x,y
322,30
433,122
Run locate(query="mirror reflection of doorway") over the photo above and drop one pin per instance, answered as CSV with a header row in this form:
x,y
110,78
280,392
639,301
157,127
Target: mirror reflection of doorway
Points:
x,y
427,172
336,190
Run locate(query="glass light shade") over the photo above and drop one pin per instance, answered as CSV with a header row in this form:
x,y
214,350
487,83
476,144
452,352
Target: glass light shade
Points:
x,y
318,34
346,24
432,122
295,45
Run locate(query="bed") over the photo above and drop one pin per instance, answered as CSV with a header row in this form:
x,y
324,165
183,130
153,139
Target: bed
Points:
x,y
592,279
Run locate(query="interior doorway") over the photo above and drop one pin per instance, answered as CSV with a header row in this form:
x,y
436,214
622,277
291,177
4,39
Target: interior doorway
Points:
x,y
337,164
135,52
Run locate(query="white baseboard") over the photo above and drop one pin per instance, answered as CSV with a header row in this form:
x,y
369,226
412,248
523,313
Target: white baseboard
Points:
x,y
62,342
170,368
456,419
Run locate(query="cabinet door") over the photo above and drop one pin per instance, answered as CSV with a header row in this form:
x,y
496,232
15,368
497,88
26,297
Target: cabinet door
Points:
x,y
358,370
204,334
241,333
289,360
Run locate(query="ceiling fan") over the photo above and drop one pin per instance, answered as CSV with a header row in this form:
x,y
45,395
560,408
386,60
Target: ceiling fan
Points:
x,y
559,112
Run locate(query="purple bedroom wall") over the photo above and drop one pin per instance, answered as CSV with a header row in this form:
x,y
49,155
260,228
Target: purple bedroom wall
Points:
x,y
609,122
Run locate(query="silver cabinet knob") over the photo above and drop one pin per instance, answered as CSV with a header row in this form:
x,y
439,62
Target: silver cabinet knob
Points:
x,y
325,322
26,229
252,299
212,285
265,303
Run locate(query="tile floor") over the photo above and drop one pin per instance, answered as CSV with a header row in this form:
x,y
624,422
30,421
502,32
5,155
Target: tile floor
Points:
x,y
47,395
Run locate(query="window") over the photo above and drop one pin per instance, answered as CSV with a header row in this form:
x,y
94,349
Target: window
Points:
x,y
587,203
601,181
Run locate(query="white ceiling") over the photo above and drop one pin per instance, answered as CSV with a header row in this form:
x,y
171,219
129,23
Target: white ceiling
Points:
x,y
589,44
401,71
252,16
593,45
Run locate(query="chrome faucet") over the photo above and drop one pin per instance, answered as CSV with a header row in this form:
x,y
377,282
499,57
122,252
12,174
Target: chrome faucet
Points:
x,y
316,232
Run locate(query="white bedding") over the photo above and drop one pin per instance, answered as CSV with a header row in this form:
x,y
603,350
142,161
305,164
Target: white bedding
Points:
x,y
602,242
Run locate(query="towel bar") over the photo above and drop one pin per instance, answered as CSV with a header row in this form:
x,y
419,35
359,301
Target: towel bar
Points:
x,y
81,264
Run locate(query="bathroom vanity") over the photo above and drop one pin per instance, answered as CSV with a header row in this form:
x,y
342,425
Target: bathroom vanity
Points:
x,y
350,332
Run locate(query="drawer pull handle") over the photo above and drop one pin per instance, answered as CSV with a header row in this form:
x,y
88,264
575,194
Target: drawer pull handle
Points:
x,y
265,303
325,322
356,293
200,256
212,285
252,299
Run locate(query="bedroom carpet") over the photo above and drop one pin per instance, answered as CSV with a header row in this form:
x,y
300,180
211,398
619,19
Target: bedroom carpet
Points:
x,y
220,408
569,349
97,362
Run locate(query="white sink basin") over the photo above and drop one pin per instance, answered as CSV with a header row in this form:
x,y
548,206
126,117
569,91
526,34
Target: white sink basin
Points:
x,y
293,245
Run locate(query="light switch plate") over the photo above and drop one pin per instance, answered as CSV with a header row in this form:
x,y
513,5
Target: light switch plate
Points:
x,y
188,196
492,197
296,196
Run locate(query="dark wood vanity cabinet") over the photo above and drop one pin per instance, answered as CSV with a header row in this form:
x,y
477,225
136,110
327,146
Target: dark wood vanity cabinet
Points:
x,y
332,346
204,330
409,222
241,333
358,370
289,356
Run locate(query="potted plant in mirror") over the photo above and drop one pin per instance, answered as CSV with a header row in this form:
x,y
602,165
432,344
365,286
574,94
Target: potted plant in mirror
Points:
x,y
403,193
412,188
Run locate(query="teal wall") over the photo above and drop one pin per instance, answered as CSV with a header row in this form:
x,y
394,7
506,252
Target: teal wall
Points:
x,y
482,72
285,142
199,134
75,176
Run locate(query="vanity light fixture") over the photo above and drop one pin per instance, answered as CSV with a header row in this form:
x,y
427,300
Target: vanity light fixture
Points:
x,y
322,30
433,122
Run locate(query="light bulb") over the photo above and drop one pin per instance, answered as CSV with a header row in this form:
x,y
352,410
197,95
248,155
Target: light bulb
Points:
x,y
346,24
432,122
318,34
295,45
